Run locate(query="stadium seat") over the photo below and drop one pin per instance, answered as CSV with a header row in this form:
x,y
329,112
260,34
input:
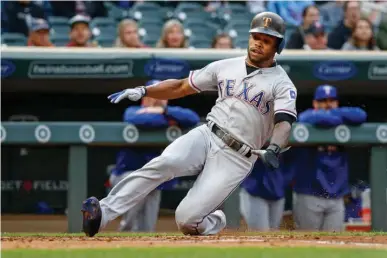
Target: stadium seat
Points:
x,y
60,30
145,23
156,31
237,31
101,26
151,14
238,16
102,22
239,23
117,13
188,7
150,40
105,40
60,40
241,42
13,39
236,8
105,31
196,30
145,6
200,42
58,21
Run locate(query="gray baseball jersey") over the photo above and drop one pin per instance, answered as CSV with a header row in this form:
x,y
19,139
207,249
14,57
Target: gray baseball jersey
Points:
x,y
245,108
241,95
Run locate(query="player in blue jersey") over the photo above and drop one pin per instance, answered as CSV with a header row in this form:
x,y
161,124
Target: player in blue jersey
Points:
x,y
262,197
321,173
152,113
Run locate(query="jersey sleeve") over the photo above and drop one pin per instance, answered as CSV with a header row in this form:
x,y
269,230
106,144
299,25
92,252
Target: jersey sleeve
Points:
x,y
285,96
204,79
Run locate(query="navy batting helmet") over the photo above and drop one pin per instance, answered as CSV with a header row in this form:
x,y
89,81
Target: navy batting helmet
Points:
x,y
271,24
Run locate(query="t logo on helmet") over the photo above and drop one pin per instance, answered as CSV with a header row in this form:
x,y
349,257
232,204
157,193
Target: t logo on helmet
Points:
x,y
266,22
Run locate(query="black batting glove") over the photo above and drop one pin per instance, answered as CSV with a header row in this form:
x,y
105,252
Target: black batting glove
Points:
x,y
270,156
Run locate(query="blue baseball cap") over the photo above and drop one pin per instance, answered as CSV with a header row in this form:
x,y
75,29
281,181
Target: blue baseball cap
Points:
x,y
325,92
316,29
152,82
39,24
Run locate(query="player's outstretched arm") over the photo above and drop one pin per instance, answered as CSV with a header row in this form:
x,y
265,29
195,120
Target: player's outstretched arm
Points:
x,y
168,89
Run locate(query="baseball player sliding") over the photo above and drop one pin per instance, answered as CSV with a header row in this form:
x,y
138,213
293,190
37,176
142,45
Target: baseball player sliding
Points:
x,y
256,102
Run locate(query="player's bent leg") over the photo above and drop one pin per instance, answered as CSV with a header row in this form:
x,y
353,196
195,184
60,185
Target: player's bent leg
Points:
x,y
130,220
334,216
276,211
224,170
151,211
308,212
183,157
255,211
127,222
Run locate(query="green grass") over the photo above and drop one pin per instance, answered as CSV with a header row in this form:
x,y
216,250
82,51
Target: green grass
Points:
x,y
202,252
129,234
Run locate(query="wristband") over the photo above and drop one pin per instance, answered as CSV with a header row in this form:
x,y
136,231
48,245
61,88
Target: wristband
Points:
x,y
274,148
143,90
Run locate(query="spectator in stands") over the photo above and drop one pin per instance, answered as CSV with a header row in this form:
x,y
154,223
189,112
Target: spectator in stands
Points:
x,y
310,14
71,8
172,35
255,6
332,12
363,37
80,33
343,30
290,11
19,15
39,34
315,37
128,35
222,41
381,38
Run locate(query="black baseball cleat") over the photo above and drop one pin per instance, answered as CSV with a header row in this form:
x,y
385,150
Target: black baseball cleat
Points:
x,y
92,215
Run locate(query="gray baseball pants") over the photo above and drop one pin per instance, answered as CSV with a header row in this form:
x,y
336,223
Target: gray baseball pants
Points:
x,y
318,214
261,214
220,170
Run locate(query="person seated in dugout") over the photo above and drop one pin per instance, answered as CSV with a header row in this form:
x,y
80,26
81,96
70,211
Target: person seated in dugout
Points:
x,y
321,172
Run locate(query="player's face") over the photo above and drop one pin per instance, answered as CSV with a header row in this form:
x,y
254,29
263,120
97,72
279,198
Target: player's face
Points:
x,y
262,48
326,104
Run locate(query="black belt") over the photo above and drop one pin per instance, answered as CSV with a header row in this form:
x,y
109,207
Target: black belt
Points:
x,y
228,140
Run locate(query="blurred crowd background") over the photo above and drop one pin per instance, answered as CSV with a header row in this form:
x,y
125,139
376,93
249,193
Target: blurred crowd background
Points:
x,y
347,25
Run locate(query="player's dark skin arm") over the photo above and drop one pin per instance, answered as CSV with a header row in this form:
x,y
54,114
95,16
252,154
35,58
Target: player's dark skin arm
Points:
x,y
281,134
170,89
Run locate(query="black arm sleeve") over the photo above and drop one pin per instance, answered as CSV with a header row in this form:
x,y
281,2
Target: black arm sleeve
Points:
x,y
280,117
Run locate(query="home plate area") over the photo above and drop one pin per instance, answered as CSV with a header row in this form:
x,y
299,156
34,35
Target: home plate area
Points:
x,y
224,240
